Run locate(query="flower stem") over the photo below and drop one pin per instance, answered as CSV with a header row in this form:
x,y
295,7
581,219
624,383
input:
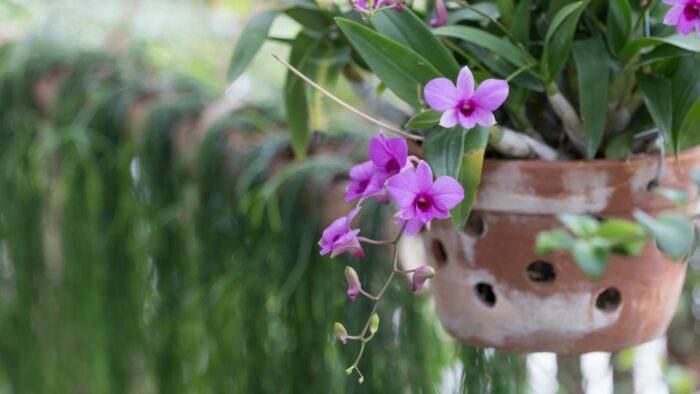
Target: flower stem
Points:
x,y
346,105
375,242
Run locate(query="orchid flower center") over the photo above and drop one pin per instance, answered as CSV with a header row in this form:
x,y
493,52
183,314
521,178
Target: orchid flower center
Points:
x,y
692,11
363,184
423,203
335,238
466,109
392,166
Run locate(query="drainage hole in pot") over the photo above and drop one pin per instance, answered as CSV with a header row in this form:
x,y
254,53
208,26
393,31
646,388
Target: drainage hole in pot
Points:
x,y
439,253
541,272
485,293
609,300
476,226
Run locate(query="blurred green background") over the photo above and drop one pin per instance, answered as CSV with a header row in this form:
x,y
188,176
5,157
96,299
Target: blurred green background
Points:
x,y
157,237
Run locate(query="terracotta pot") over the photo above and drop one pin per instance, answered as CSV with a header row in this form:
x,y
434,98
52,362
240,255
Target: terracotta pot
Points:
x,y
492,290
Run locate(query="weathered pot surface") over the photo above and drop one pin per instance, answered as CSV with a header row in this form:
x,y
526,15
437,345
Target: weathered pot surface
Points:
x,y
492,290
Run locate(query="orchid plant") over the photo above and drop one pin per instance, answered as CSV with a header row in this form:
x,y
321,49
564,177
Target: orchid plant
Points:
x,y
525,79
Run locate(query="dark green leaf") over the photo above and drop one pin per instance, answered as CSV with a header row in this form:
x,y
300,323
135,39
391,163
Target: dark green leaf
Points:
x,y
506,8
619,24
402,70
581,225
690,131
552,241
470,173
500,46
520,25
443,150
657,97
593,76
313,20
673,232
689,43
560,35
405,27
591,256
466,14
685,93
249,43
424,120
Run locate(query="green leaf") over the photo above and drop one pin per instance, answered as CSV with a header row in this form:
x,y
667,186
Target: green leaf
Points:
x,y
405,27
506,7
625,237
689,43
251,40
593,76
296,100
619,24
402,70
690,132
657,97
679,197
424,120
466,14
619,147
685,87
500,46
520,25
470,173
552,241
591,256
313,20
560,35
673,232
581,225
443,150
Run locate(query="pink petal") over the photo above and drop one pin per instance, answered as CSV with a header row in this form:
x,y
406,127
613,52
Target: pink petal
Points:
x,y
404,188
483,117
446,193
467,122
350,244
438,214
424,177
675,1
465,83
674,15
490,94
338,227
362,171
413,227
398,149
684,26
441,94
449,119
426,215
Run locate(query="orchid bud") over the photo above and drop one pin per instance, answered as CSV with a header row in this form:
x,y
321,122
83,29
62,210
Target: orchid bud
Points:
x,y
441,18
420,276
354,285
341,333
374,324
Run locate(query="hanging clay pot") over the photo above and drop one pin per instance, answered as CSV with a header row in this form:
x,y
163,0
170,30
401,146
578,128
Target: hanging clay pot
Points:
x,y
492,290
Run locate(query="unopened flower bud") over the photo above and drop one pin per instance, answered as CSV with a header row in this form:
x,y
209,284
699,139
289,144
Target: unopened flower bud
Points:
x,y
341,333
374,324
354,285
420,276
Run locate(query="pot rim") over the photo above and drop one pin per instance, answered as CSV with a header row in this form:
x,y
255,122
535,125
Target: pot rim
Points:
x,y
595,163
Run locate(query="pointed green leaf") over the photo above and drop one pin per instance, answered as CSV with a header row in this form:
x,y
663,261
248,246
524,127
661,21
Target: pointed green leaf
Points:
x,y
689,43
470,173
591,256
520,25
249,43
443,150
619,24
690,132
405,27
685,92
500,46
560,36
402,70
424,120
590,57
657,97
552,241
581,225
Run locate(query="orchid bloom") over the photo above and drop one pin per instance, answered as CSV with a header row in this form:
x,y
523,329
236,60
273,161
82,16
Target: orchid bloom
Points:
x,y
462,104
441,18
685,15
354,285
389,156
420,276
369,7
339,237
420,199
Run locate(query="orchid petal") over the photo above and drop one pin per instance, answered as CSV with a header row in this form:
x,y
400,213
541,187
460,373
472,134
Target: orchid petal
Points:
x,y
449,119
465,83
490,94
404,188
441,94
483,117
446,193
424,177
413,227
674,15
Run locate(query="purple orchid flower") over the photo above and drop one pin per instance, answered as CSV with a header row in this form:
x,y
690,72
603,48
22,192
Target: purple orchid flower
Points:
x,y
389,156
421,199
463,105
339,237
363,6
685,15
354,285
420,276
441,18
